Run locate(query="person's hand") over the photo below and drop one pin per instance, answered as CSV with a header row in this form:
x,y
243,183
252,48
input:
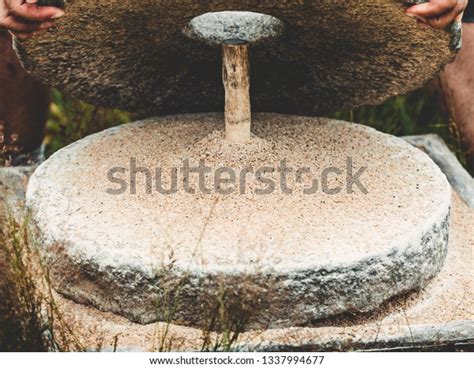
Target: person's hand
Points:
x,y
439,13
25,19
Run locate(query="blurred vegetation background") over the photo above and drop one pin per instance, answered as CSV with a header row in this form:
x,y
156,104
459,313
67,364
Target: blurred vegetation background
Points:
x,y
419,112
70,120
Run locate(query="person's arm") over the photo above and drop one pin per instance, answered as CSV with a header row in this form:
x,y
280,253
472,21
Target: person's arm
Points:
x,y
439,13
25,19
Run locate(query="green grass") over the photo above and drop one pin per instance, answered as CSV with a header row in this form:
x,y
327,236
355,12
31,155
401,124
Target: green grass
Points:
x,y
70,120
416,113
30,319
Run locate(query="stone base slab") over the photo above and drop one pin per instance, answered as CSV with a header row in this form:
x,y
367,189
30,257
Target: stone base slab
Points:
x,y
440,316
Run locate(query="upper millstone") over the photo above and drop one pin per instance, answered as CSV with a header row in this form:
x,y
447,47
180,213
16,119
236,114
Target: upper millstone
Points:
x,y
321,56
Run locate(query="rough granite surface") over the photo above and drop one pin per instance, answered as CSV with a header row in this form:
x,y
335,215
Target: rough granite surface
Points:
x,y
306,256
220,27
332,55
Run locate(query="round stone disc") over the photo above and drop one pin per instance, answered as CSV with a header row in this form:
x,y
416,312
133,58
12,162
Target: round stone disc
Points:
x,y
331,55
311,219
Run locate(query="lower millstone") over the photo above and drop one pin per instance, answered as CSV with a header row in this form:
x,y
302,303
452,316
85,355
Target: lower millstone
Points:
x,y
358,218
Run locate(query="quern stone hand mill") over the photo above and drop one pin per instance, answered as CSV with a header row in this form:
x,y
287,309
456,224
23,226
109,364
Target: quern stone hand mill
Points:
x,y
315,217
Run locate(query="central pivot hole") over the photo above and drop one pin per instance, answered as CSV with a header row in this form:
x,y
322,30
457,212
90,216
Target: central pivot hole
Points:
x,y
235,31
